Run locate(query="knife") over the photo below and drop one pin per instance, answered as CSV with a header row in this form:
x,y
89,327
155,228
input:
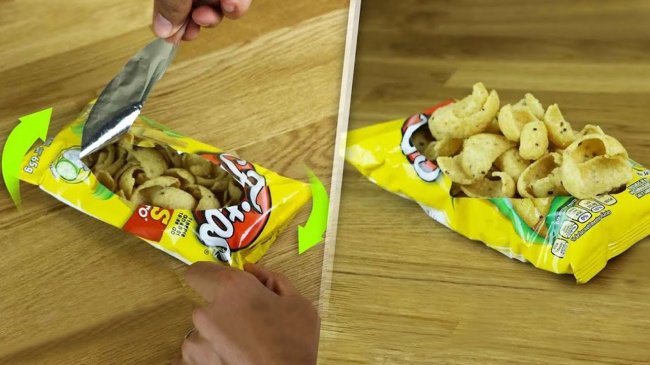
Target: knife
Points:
x,y
121,101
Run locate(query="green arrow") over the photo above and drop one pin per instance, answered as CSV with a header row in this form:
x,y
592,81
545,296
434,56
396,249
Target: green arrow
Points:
x,y
31,128
312,233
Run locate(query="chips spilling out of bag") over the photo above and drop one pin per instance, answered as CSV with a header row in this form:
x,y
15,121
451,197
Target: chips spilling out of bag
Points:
x,y
182,196
517,177
473,139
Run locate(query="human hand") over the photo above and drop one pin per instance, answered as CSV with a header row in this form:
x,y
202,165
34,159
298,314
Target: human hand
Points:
x,y
170,16
252,317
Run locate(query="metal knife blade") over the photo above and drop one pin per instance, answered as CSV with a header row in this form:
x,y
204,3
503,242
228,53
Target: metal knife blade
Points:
x,y
121,101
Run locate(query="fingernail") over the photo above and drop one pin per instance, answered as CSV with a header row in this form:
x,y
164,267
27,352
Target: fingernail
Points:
x,y
161,26
228,7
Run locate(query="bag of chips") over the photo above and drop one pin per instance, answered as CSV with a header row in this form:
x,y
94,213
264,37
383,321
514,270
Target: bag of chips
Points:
x,y
189,199
516,177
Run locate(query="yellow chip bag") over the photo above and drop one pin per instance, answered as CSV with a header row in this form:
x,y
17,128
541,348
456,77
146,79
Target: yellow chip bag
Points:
x,y
171,208
560,233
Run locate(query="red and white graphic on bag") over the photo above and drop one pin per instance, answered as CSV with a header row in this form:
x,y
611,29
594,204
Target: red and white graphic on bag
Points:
x,y
149,222
222,230
425,169
235,227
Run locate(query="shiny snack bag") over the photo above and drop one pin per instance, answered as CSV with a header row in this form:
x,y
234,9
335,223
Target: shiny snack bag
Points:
x,y
557,233
184,197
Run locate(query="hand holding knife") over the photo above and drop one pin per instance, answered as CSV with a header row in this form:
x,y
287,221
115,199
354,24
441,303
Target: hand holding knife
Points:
x,y
120,103
169,15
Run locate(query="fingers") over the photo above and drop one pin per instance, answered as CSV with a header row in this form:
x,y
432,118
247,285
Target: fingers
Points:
x,y
206,16
180,34
196,350
235,9
169,16
276,282
217,330
208,279
208,328
263,275
192,31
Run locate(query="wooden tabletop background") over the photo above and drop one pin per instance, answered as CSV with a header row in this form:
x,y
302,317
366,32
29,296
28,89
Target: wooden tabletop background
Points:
x,y
406,290
74,290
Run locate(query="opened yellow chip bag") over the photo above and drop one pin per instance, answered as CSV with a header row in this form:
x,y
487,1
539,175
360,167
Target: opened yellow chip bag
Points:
x,y
189,199
469,183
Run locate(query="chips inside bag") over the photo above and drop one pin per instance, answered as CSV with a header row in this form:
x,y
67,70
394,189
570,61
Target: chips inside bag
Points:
x,y
188,221
558,233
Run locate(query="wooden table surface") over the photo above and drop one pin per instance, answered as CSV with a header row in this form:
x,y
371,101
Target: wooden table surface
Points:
x,y
74,290
406,290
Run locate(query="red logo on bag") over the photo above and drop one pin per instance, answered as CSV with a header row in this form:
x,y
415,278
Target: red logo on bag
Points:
x,y
149,222
236,227
425,169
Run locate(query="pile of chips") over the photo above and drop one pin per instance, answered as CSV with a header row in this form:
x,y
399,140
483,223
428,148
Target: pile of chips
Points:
x,y
520,150
160,176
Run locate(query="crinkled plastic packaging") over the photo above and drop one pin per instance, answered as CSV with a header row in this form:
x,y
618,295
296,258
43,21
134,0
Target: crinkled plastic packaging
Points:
x,y
232,235
573,236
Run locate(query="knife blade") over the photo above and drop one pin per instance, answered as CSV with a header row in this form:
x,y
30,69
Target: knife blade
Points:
x,y
121,101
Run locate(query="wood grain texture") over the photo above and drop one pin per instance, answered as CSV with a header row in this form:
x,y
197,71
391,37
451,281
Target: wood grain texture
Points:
x,y
74,290
406,290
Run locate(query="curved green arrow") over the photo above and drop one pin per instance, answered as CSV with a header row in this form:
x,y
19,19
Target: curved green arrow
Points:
x,y
313,231
31,128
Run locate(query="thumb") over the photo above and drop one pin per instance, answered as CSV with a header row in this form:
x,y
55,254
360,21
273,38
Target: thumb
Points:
x,y
169,16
